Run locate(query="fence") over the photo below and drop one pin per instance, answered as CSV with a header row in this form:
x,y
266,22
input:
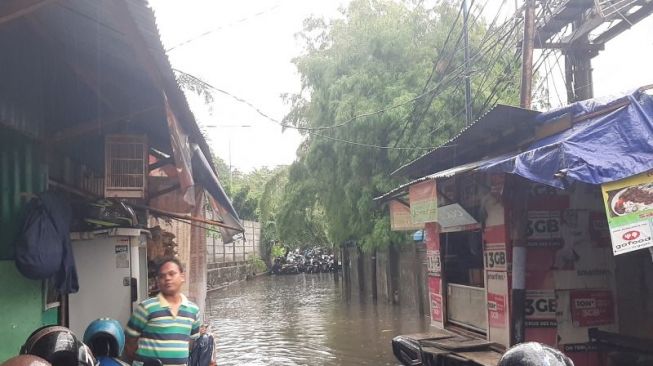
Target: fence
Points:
x,y
241,249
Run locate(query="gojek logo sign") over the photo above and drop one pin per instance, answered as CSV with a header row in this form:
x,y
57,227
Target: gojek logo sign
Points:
x,y
631,237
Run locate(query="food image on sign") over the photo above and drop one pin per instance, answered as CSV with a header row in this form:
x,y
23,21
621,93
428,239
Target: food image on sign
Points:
x,y
632,199
629,208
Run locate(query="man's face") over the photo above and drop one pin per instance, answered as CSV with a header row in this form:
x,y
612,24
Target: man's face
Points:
x,y
170,279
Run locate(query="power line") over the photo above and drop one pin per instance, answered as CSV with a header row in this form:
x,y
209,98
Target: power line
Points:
x,y
241,20
310,131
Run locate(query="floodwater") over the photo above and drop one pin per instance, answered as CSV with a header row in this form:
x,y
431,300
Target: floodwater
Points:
x,y
304,320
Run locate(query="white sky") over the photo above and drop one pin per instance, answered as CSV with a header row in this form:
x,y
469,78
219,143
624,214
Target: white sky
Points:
x,y
249,55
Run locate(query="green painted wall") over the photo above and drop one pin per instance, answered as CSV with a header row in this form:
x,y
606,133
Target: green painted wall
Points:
x,y
21,303
21,309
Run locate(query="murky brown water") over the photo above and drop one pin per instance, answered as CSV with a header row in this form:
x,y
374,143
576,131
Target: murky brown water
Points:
x,y
303,320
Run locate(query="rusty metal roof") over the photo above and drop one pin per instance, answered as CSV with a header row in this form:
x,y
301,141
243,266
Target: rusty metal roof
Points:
x,y
497,131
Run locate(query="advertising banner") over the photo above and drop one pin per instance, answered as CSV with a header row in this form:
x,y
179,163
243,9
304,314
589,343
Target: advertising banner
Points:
x,y
540,309
423,202
591,307
400,218
496,307
629,208
544,229
433,263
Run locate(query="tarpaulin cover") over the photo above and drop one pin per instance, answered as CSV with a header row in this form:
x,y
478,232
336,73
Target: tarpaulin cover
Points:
x,y
205,176
596,150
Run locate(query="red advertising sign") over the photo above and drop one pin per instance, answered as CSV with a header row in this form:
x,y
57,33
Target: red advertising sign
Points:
x,y
436,308
432,236
543,229
435,295
591,307
496,307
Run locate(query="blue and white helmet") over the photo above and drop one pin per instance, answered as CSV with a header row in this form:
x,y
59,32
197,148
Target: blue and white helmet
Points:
x,y
105,337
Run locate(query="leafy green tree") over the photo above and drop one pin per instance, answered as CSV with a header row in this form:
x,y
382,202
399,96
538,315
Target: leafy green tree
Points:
x,y
389,56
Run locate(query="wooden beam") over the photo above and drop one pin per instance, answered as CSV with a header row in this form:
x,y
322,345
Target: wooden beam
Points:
x,y
15,9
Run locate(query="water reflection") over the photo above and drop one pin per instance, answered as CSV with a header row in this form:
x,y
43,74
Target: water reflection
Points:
x,y
303,320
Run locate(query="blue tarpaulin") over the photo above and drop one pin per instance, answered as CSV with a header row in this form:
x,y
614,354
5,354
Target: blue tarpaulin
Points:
x,y
602,147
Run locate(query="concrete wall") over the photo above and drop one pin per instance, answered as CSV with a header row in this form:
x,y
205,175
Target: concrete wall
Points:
x,y
222,274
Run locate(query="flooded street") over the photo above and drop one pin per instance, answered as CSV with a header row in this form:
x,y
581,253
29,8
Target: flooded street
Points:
x,y
303,320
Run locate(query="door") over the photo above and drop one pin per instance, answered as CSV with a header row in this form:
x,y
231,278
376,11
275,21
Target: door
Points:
x,y
104,272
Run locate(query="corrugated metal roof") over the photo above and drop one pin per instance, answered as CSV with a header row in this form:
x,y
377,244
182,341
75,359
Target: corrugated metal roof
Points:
x,y
447,173
99,36
498,129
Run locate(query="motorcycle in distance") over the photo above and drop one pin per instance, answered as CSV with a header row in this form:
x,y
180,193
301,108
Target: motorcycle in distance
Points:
x,y
312,260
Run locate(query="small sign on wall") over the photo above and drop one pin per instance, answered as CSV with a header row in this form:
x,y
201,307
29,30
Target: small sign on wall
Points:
x,y
122,256
591,308
434,265
496,307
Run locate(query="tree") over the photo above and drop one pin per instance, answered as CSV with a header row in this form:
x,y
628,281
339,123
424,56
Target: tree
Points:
x,y
387,56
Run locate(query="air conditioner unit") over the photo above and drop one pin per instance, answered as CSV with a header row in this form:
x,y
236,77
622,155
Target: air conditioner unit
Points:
x,y
125,166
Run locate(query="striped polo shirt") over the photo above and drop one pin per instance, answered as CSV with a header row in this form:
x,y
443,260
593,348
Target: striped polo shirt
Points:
x,y
161,335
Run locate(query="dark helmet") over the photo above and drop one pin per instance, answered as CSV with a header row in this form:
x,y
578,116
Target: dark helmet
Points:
x,y
26,360
534,354
105,337
59,346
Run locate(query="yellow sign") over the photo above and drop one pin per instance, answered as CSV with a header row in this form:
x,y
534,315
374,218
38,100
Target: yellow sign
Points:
x,y
400,219
423,202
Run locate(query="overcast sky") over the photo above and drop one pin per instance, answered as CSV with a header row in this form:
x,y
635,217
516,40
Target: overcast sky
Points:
x,y
248,53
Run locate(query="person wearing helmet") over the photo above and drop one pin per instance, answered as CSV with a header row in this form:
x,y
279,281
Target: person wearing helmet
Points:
x,y
534,354
26,360
106,339
59,346
162,327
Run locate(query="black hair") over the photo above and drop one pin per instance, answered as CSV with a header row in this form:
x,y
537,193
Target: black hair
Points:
x,y
165,260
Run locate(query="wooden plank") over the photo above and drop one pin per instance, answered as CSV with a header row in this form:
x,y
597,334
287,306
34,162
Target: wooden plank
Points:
x,y
15,9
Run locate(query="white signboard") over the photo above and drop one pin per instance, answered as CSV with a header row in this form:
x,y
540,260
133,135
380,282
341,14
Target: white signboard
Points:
x,y
631,237
454,215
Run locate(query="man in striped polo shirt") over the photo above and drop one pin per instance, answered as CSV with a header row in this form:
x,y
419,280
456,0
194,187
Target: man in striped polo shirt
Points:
x,y
163,327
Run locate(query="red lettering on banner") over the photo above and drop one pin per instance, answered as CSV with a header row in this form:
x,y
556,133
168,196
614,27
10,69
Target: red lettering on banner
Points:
x,y
436,308
496,307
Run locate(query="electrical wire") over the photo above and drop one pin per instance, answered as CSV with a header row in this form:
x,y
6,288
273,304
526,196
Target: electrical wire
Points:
x,y
239,21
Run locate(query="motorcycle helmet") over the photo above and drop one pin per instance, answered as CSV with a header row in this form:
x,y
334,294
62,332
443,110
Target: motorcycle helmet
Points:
x,y
59,346
26,360
534,354
105,337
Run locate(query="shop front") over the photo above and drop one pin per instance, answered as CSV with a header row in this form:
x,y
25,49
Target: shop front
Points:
x,y
564,226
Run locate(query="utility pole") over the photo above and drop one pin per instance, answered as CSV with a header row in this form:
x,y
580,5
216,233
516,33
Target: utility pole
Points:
x,y
578,67
468,82
527,54
518,298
